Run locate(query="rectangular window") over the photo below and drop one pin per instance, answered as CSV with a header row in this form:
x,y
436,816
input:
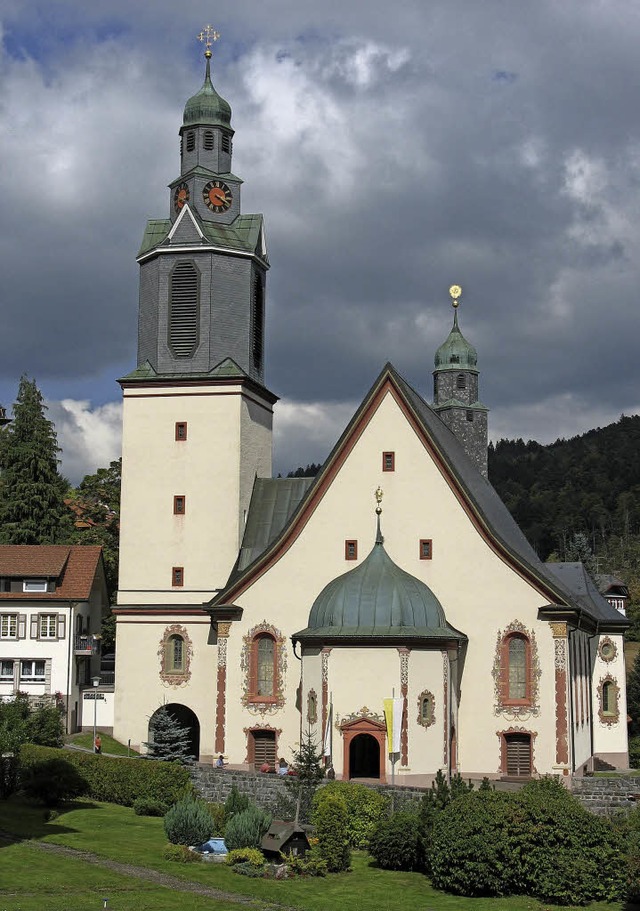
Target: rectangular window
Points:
x,y
181,431
177,576
351,550
179,505
6,670
32,671
226,143
34,585
470,416
426,549
48,626
388,461
8,626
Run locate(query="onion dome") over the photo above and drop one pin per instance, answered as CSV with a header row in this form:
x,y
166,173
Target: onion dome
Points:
x,y
377,599
206,106
456,353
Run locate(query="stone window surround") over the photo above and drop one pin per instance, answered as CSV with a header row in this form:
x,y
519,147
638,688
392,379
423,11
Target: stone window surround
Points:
x,y
249,666
351,549
181,431
426,548
389,461
610,717
529,705
179,505
170,676
431,717
177,576
503,747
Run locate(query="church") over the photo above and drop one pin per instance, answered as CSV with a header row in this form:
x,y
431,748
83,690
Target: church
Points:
x,y
258,609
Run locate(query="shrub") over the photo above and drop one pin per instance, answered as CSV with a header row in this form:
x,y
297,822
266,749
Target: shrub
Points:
x,y
634,752
331,821
181,854
119,780
188,822
247,869
247,828
396,843
366,808
245,856
311,864
53,781
145,807
218,815
235,802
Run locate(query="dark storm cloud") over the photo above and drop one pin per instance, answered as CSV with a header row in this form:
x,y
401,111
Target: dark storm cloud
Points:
x,y
392,152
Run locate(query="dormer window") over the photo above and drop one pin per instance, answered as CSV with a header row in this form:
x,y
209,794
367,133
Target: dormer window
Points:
x,y
34,585
454,359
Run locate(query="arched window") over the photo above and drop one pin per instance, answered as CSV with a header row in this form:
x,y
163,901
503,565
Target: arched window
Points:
x,y
175,651
608,697
174,656
426,709
207,140
263,662
516,673
461,381
184,309
265,649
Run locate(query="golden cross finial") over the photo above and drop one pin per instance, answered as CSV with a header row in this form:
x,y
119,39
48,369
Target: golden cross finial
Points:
x,y
378,495
455,291
208,35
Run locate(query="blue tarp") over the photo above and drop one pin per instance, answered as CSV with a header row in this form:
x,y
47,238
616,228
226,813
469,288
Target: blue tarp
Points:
x,y
213,846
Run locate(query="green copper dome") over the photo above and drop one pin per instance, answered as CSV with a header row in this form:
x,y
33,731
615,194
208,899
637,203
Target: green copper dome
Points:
x,y
207,107
456,352
377,599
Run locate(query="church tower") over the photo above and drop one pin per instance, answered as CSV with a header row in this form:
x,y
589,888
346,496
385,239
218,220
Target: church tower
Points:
x,y
455,390
197,417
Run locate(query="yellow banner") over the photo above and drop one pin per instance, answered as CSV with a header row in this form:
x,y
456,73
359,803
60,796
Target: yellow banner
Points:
x,y
388,717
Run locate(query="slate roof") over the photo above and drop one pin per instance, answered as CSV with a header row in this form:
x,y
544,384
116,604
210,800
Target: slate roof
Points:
x,y
74,568
487,508
575,577
242,235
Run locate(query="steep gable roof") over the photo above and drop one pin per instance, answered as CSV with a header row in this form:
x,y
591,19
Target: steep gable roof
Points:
x,y
474,493
74,567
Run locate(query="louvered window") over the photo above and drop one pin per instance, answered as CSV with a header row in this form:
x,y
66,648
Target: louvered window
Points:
x,y
264,748
207,140
184,310
257,341
226,143
518,750
461,381
191,141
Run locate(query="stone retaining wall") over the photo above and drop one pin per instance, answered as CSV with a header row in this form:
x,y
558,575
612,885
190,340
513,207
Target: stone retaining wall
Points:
x,y
607,796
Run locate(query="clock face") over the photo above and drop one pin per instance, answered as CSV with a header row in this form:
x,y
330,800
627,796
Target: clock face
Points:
x,y
217,196
180,196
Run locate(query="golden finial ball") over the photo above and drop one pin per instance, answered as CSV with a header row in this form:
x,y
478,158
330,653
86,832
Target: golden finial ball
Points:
x,y
455,291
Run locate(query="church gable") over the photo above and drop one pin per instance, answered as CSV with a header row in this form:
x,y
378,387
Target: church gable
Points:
x,y
186,229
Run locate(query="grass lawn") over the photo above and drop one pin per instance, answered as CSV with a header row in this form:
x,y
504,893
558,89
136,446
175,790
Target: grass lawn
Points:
x,y
117,833
109,745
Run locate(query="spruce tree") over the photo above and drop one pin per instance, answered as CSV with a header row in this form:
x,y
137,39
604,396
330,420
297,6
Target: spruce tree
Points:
x,y
633,698
32,508
170,741
308,773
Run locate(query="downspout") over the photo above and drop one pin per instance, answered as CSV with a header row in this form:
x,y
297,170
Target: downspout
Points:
x,y
71,632
571,700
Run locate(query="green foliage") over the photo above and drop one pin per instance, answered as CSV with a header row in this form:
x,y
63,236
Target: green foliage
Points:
x,y
307,764
32,492
235,802
188,822
119,780
539,842
170,741
366,808
436,799
247,869
247,828
309,864
309,472
53,781
143,806
180,854
218,814
245,856
396,843
633,708
21,723
331,821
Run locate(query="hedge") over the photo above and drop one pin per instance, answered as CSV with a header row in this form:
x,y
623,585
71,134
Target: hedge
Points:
x,y
120,781
366,808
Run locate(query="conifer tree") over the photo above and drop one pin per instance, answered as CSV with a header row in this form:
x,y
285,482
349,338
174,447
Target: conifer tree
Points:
x,y
32,508
308,773
633,698
170,741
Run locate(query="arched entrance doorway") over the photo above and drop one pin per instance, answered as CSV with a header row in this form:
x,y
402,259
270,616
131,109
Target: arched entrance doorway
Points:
x,y
186,719
364,741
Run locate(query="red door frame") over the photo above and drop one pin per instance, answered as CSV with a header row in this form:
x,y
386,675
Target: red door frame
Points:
x,y
351,729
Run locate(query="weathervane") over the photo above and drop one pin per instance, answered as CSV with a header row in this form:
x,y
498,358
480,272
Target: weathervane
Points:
x,y
455,291
208,35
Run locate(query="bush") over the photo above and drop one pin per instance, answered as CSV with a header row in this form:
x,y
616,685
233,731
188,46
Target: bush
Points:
x,y
145,807
366,808
311,864
396,843
119,780
634,752
245,856
331,821
188,822
181,854
235,802
218,815
53,781
247,828
247,869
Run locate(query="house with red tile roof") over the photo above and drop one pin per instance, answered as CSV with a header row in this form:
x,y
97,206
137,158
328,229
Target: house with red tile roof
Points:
x,y
52,600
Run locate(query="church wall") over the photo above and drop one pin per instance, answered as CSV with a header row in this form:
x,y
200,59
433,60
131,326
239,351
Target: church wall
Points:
x,y
581,658
255,453
479,592
148,313
610,722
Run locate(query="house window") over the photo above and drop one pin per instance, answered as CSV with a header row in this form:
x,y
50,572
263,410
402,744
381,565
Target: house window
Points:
x,y
191,141
351,550
207,140
48,626
34,585
179,505
181,431
461,381
388,461
426,549
8,626
470,416
32,671
177,576
6,670
174,663
265,650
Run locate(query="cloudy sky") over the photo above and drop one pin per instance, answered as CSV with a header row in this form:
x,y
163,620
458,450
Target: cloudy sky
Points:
x,y
394,149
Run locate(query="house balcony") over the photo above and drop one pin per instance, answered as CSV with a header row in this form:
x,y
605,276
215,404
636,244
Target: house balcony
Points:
x,y
86,645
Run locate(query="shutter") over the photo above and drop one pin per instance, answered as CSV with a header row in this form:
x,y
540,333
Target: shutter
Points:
x,y
34,626
47,675
62,624
22,626
518,754
264,748
183,314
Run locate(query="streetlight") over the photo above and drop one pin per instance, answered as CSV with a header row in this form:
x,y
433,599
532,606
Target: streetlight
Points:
x,y
96,683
